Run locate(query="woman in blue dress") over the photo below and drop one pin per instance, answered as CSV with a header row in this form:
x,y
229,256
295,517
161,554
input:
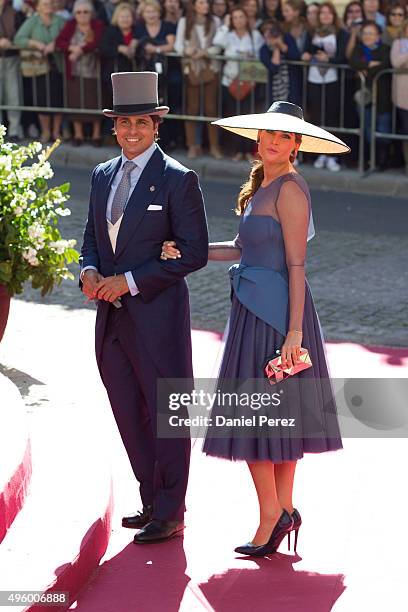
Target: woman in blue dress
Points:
x,y
272,312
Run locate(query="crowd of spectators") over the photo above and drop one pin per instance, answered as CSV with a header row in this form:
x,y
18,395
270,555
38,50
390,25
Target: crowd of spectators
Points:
x,y
56,53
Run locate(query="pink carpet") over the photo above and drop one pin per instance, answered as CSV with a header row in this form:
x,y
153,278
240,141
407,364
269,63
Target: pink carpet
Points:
x,y
348,558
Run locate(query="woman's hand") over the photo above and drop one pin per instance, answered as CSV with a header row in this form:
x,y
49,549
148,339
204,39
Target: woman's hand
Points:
x,y
189,50
75,54
169,250
321,56
200,54
37,44
50,48
290,350
149,48
306,57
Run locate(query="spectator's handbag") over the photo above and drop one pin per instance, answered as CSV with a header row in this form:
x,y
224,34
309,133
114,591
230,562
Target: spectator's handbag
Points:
x,y
198,71
241,89
275,373
362,97
33,63
245,83
253,71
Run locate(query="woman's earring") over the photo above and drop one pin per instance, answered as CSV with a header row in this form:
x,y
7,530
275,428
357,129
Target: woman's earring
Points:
x,y
292,156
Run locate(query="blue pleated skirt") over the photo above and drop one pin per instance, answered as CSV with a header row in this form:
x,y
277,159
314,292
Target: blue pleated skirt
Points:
x,y
305,399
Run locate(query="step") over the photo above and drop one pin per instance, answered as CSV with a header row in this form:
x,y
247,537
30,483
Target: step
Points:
x,y
15,454
60,535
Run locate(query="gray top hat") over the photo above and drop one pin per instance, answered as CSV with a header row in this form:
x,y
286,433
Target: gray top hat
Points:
x,y
135,93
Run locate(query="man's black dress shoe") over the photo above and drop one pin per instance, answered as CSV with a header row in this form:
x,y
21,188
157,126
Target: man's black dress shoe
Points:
x,y
138,520
158,531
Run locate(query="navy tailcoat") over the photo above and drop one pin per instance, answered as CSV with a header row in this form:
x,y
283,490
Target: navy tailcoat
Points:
x,y
160,313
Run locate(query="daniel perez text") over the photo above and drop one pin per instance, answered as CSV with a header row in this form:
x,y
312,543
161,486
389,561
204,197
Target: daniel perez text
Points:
x,y
255,420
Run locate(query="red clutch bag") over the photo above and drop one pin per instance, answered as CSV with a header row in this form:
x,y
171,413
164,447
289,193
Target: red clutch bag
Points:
x,y
275,373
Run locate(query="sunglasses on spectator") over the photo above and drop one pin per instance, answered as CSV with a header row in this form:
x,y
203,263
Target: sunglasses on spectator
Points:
x,y
397,14
82,12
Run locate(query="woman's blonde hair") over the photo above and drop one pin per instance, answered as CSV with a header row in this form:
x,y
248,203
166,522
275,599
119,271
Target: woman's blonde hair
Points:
x,y
123,6
149,3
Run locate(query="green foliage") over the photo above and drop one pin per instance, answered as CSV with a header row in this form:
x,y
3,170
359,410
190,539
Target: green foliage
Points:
x,y
31,245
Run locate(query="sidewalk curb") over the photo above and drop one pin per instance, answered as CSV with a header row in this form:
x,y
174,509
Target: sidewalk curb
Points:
x,y
390,183
15,455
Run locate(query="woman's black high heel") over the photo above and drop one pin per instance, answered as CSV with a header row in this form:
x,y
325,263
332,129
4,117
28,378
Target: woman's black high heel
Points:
x,y
297,521
282,527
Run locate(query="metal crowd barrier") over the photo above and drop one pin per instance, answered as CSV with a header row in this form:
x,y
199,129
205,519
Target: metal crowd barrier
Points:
x,y
248,70
375,135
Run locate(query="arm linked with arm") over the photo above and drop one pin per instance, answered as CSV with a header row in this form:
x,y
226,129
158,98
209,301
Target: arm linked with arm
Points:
x,y
188,230
229,250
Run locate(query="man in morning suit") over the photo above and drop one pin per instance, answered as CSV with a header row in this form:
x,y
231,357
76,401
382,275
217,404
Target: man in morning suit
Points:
x,y
137,201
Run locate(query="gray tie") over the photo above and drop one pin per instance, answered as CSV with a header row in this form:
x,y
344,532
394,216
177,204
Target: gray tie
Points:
x,y
122,192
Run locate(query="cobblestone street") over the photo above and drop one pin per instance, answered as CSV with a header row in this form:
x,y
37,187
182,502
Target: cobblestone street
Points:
x,y
357,263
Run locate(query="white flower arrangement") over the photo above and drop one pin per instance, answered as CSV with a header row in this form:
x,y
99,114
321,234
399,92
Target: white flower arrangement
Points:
x,y
31,246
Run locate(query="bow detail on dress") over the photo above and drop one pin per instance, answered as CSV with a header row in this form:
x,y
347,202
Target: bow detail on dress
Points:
x,y
264,292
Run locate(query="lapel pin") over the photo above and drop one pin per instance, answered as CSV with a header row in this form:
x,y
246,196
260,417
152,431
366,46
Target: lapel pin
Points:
x,y
152,187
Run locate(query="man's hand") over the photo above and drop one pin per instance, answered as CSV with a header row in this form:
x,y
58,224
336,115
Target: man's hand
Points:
x,y
90,281
5,43
111,288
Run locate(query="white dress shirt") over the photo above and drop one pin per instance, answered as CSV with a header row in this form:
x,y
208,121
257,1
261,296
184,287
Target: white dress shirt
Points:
x,y
140,162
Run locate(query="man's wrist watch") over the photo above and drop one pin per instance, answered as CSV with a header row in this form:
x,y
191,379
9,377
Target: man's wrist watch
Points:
x,y
158,49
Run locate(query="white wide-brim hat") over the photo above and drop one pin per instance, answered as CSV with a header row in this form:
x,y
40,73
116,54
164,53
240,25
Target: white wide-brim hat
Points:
x,y
135,93
285,117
